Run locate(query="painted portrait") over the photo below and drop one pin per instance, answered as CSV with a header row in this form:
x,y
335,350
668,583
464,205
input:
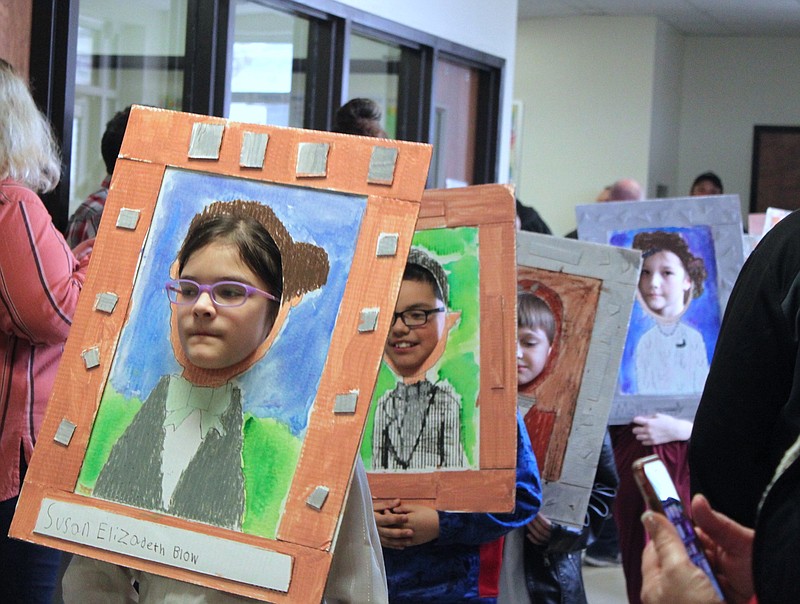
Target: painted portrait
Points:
x,y
217,368
556,314
424,415
691,252
539,316
574,301
676,318
209,406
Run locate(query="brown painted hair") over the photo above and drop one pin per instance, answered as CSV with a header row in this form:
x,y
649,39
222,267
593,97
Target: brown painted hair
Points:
x,y
288,268
661,241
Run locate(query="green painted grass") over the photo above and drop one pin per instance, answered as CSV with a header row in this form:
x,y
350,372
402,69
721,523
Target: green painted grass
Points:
x,y
270,455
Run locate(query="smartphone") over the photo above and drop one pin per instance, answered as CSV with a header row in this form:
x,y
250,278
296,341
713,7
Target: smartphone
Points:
x,y
661,496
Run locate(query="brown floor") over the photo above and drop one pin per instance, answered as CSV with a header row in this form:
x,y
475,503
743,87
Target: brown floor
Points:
x,y
604,585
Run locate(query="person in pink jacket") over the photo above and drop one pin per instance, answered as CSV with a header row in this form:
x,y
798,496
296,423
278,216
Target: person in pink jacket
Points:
x,y
40,279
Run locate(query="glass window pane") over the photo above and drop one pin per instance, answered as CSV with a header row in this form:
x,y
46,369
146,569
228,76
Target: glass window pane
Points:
x,y
456,110
268,73
375,74
128,52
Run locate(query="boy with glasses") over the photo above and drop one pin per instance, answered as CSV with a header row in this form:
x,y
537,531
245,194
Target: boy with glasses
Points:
x,y
418,424
433,555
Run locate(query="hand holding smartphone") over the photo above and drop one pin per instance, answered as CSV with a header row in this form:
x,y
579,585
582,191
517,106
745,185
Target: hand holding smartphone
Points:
x,y
662,497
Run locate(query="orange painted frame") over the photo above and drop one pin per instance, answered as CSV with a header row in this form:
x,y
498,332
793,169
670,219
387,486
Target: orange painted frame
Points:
x,y
491,487
158,140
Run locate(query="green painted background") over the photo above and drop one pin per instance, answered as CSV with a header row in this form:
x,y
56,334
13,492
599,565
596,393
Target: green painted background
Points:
x,y
457,251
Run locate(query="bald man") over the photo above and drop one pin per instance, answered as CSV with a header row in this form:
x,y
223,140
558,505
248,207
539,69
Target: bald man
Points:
x,y
625,189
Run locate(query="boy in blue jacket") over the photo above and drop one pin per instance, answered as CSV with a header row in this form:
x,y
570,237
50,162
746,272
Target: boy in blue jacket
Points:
x,y
432,555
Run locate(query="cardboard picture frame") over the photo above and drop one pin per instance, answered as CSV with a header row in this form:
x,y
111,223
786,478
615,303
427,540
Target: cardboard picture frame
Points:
x,y
591,289
387,179
489,485
712,228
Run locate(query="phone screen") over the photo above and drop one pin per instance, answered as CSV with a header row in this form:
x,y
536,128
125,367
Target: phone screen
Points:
x,y
661,495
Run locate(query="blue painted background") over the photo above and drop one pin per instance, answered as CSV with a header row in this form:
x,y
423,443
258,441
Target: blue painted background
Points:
x,y
702,313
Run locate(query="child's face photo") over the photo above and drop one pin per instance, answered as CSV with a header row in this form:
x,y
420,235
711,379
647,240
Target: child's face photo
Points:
x,y
409,347
533,350
215,336
663,284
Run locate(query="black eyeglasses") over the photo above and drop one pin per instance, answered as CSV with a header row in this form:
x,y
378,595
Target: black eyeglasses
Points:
x,y
222,293
415,317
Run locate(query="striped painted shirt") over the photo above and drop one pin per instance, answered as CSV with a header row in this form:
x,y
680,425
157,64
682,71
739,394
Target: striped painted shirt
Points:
x,y
418,426
40,280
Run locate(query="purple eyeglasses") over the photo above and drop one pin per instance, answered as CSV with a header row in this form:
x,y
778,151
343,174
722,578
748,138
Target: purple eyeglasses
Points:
x,y
222,293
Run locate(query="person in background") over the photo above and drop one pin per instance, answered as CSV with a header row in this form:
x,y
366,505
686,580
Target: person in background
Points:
x,y
83,224
749,413
604,194
529,220
706,183
40,279
625,189
670,357
361,117
603,548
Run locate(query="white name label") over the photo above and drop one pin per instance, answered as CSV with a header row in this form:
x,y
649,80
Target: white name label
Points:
x,y
164,544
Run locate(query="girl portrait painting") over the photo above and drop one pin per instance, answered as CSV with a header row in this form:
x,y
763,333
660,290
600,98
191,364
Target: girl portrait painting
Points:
x,y
205,408
676,315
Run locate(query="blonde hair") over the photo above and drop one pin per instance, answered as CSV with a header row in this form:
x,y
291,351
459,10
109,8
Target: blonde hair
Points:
x,y
28,152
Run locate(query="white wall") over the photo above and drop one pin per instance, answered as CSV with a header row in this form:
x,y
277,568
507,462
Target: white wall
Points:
x,y
490,27
729,86
664,131
609,97
587,85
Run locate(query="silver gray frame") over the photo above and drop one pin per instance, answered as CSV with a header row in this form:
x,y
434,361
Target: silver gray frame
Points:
x,y
720,212
565,501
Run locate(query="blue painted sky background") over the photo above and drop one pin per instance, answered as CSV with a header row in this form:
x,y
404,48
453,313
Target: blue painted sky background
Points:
x,y
703,313
283,384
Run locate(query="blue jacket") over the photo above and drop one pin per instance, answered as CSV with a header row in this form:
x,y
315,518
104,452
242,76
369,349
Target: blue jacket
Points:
x,y
447,569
